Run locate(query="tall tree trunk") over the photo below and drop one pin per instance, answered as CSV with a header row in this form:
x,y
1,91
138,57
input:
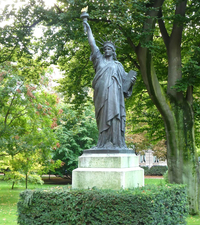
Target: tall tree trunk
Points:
x,y
179,125
176,110
181,155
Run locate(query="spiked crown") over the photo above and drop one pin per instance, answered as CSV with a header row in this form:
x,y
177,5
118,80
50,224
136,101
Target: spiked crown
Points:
x,y
108,43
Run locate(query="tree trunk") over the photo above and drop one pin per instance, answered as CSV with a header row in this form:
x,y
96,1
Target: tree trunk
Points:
x,y
177,113
13,184
181,155
176,110
183,167
26,180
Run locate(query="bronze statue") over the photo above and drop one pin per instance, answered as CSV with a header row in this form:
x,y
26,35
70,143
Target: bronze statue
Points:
x,y
111,84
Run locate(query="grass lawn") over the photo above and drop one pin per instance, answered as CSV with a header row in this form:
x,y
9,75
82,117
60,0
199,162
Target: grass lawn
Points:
x,y
9,199
193,220
156,181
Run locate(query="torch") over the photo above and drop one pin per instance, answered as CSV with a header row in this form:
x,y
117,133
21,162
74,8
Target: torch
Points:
x,y
84,16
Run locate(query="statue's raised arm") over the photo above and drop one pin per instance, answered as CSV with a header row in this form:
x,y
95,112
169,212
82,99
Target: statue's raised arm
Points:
x,y
86,26
91,39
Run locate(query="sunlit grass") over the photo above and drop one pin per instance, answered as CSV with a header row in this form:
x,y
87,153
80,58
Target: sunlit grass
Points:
x,y
9,199
193,220
8,205
156,181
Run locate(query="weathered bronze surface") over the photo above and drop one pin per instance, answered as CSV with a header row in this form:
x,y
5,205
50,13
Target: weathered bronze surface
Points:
x,y
111,85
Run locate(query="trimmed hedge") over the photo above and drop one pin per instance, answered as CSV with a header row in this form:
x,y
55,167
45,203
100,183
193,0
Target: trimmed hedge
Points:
x,y
155,170
148,205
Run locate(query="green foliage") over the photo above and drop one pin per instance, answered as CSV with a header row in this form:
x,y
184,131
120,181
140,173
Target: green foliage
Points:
x,y
143,116
9,198
27,167
146,205
4,161
15,177
16,37
78,74
131,24
155,170
75,132
146,169
23,102
191,70
165,175
196,107
27,112
118,20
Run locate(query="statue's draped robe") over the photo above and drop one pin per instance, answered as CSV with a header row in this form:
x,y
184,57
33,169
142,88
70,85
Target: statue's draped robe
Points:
x,y
109,101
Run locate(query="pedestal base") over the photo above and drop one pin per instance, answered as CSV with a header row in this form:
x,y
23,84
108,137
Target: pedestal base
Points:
x,y
108,171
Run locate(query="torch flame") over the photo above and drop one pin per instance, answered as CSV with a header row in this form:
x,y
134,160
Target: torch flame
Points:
x,y
84,9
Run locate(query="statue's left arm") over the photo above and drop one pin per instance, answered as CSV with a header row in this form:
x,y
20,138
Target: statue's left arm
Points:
x,y
128,80
131,82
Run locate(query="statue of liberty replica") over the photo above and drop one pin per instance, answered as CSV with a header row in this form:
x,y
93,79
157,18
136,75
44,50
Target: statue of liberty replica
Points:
x,y
111,85
110,164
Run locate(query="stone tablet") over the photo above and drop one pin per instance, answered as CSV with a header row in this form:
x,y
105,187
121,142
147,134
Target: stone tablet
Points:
x,y
128,81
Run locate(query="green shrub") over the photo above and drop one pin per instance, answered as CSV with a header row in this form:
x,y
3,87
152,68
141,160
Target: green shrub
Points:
x,y
146,170
158,170
148,205
155,170
166,177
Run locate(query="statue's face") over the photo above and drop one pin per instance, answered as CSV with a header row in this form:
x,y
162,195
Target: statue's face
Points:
x,y
108,51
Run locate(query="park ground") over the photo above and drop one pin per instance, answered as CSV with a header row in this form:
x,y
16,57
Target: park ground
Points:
x,y
9,197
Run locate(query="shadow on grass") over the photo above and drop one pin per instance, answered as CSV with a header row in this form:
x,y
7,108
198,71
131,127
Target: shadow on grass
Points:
x,y
56,180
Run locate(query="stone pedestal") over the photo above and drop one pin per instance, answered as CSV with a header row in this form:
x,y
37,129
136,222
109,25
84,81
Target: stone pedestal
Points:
x,y
108,171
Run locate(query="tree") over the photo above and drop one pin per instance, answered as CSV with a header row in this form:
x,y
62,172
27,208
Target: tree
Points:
x,y
27,115
173,103
75,132
157,38
174,106
145,127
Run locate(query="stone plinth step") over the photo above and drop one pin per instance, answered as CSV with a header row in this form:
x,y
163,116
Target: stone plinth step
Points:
x,y
107,178
108,161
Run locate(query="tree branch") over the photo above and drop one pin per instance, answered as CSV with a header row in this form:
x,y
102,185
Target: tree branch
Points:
x,y
147,68
18,115
8,112
177,29
128,38
10,55
9,108
174,52
34,24
100,20
163,29
131,43
134,62
58,8
189,95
